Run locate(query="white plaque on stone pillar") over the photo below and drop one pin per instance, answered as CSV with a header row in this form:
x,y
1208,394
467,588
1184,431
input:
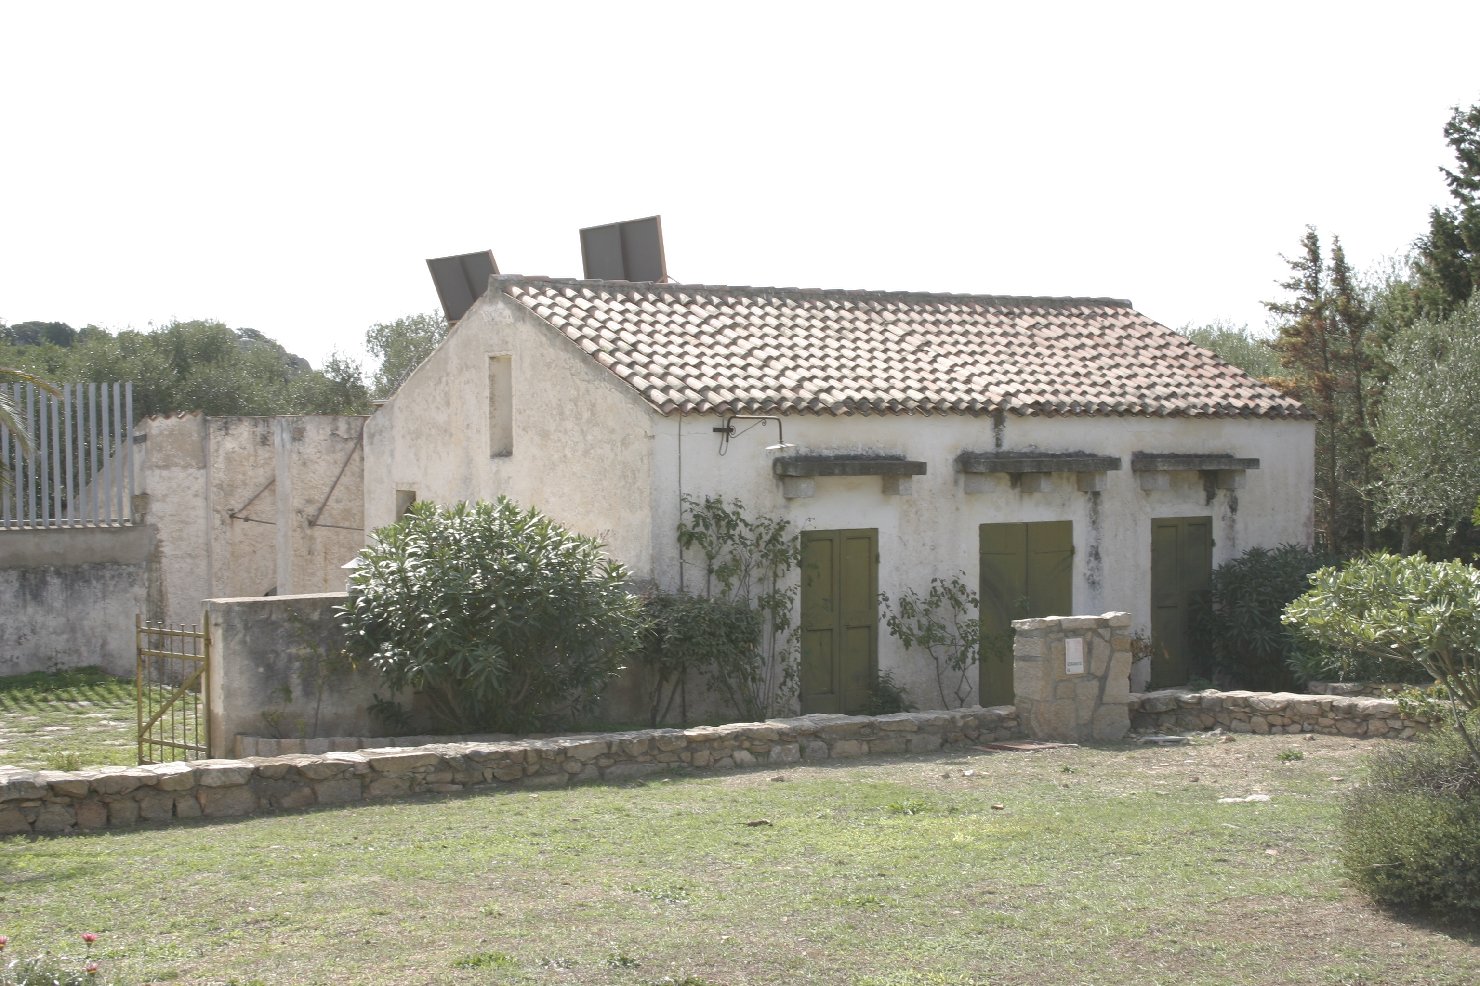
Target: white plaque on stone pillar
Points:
x,y
1073,655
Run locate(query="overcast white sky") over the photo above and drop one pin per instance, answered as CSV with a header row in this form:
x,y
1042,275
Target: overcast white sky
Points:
x,y
289,166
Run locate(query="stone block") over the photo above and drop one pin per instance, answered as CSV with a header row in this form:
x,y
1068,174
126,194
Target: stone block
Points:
x,y
13,821
178,776
156,806
1114,618
1027,678
508,772
1068,623
91,814
388,786
848,748
889,744
669,740
222,773
227,802
584,749
619,772
786,753
54,818
743,758
545,780
1028,646
59,784
399,761
121,780
186,805
322,768
923,742
637,746
297,796
897,485
338,791
898,722
123,811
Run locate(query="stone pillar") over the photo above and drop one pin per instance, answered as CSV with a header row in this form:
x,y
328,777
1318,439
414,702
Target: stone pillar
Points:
x,y
1071,676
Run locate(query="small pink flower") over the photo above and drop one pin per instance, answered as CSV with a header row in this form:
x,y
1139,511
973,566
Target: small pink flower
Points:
x,y
3,942
89,937
91,968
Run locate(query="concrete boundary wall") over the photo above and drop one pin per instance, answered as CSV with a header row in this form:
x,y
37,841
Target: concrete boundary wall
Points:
x,y
68,596
54,802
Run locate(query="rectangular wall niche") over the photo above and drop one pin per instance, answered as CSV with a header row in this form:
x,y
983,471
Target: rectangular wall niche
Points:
x,y
500,405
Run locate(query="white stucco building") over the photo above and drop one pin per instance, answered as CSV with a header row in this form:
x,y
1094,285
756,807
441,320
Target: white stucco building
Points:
x,y
1065,454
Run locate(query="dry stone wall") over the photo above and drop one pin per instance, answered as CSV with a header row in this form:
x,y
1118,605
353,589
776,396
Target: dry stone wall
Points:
x,y
1176,710
53,802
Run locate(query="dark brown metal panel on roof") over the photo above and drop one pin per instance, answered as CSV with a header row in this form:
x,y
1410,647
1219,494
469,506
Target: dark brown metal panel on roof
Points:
x,y
461,280
625,251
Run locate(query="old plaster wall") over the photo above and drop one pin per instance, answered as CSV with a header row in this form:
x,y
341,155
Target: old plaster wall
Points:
x,y
246,506
582,440
68,596
276,670
934,530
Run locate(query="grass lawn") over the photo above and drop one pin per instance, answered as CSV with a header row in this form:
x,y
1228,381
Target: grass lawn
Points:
x,y
1071,866
66,720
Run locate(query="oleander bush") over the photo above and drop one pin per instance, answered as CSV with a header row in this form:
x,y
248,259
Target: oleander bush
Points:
x,y
500,618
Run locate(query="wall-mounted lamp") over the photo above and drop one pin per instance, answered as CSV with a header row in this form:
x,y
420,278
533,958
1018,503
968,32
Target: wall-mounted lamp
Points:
x,y
727,431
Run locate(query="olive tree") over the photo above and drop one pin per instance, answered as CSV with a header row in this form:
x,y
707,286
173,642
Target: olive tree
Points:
x,y
498,616
1405,608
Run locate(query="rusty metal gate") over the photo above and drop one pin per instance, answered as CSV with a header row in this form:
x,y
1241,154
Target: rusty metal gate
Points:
x,y
173,697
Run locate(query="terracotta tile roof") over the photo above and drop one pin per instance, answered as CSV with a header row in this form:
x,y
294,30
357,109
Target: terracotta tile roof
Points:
x,y
742,350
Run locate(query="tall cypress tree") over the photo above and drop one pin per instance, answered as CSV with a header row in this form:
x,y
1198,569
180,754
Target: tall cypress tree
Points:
x,y
1352,319
1307,350
1448,261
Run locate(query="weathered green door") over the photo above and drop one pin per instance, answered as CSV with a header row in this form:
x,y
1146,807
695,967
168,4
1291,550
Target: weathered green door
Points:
x,y
840,619
1181,568
1026,571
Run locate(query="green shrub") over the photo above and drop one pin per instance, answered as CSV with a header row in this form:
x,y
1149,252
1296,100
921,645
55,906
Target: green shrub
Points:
x,y
1411,834
1239,620
687,634
501,618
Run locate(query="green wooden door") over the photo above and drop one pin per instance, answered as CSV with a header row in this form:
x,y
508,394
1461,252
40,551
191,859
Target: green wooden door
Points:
x,y
840,619
1181,569
1026,571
